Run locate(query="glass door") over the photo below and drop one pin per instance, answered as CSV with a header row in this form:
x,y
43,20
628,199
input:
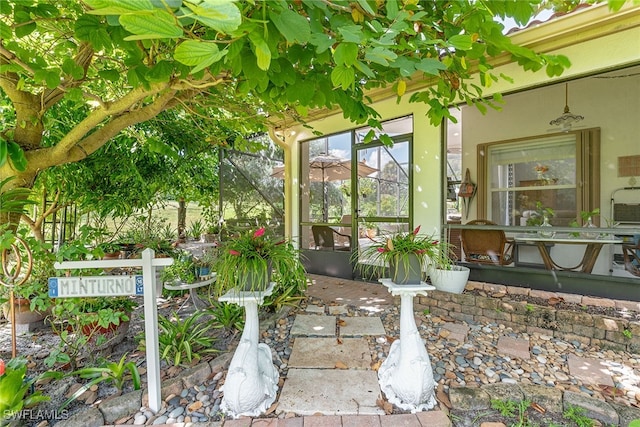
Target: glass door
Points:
x,y
382,198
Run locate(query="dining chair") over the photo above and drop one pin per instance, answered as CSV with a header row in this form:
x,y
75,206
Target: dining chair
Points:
x,y
325,238
486,246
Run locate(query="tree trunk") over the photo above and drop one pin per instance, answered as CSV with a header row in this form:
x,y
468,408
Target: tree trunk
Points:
x,y
182,218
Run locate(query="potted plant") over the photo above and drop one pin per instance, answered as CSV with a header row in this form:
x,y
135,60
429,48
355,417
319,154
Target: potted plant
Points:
x,y
246,262
110,250
405,253
182,270
206,262
444,274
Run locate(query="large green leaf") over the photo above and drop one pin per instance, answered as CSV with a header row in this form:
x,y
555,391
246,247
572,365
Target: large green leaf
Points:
x,y
294,27
3,151
5,31
346,54
461,42
118,7
221,15
161,72
157,24
16,155
352,33
263,53
430,66
70,67
343,76
380,56
88,28
198,54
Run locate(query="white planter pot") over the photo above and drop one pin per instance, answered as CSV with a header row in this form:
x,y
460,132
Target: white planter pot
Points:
x,y
453,280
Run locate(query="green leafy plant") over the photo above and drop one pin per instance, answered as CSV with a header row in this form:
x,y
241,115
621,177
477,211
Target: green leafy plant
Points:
x,y
183,269
576,414
183,341
196,228
513,409
394,248
635,423
227,316
86,324
530,308
16,389
113,372
252,256
288,291
507,408
540,213
627,334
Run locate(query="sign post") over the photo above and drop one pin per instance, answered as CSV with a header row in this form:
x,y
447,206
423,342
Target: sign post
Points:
x,y
91,286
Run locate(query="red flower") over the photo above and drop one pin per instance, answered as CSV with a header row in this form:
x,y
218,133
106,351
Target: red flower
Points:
x,y
382,249
234,252
259,232
1,367
416,231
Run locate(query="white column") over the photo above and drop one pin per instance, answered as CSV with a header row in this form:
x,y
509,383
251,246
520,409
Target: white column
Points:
x,y
252,380
406,376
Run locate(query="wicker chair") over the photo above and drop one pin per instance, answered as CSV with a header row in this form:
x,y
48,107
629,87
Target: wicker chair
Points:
x,y
632,258
486,246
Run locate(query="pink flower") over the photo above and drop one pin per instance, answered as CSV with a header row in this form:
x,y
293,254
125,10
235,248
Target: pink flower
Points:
x,y
1,367
416,231
382,249
234,252
259,232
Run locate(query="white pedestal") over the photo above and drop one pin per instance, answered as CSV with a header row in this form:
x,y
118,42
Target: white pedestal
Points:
x,y
406,376
252,380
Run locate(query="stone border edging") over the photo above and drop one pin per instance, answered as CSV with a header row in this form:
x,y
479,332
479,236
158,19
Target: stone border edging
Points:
x,y
590,329
553,400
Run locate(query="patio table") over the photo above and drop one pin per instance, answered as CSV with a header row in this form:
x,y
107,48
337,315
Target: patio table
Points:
x,y
591,250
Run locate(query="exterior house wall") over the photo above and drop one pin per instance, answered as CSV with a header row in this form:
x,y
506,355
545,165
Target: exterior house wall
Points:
x,y
611,104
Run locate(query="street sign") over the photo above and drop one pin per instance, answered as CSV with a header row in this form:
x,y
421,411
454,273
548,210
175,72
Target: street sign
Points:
x,y
95,286
145,285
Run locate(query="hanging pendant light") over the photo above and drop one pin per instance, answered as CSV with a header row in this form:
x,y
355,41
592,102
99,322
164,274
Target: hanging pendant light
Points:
x,y
567,119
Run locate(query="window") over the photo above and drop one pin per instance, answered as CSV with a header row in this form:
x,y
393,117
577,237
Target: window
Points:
x,y
519,180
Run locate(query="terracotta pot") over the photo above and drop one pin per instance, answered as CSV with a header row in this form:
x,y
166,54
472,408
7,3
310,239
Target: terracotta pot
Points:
x,y
105,337
112,255
24,315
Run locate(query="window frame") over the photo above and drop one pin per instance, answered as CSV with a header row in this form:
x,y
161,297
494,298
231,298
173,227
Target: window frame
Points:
x,y
587,169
